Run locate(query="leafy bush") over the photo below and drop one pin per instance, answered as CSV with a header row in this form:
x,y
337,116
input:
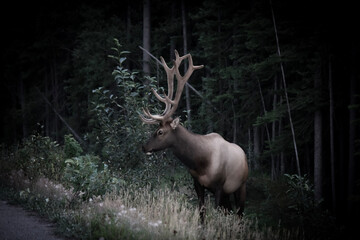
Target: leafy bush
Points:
x,y
88,177
120,132
300,193
39,156
71,147
7,163
288,204
303,211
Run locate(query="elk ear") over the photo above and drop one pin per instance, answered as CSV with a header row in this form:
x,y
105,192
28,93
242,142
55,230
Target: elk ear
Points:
x,y
175,123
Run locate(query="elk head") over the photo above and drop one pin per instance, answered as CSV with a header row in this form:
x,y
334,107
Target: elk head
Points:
x,y
164,136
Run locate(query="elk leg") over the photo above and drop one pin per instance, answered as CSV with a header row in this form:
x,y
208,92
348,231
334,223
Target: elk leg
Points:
x,y
219,197
228,203
200,192
225,202
240,196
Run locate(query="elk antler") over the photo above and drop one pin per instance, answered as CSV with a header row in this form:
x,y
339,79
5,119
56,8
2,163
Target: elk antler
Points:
x,y
170,105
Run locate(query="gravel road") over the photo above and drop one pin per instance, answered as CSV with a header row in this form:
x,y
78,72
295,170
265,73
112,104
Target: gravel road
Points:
x,y
18,224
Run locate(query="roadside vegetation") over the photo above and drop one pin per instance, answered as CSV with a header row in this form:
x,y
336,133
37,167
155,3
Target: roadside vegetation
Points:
x,y
89,200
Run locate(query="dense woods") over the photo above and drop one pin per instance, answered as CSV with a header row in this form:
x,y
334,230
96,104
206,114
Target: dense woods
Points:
x,y
281,79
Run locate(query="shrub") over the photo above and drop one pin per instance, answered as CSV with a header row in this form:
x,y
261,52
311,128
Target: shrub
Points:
x,y
119,131
300,193
304,212
89,177
39,156
71,147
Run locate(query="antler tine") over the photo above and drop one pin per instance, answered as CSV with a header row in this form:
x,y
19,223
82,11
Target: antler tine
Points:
x,y
181,80
170,77
170,105
170,82
190,70
160,98
153,119
147,120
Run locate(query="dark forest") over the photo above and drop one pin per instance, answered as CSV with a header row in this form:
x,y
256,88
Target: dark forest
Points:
x,y
280,79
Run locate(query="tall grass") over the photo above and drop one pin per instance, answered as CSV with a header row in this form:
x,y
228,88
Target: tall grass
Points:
x,y
141,213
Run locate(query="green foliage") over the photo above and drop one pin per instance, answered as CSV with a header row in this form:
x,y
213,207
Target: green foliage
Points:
x,y
120,132
39,156
91,67
303,211
88,177
301,194
7,162
288,203
71,147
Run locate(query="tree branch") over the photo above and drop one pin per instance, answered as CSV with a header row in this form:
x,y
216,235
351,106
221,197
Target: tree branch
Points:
x,y
61,118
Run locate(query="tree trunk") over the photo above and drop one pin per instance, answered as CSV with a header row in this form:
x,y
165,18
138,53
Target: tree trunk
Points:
x,y
273,132
352,130
23,108
234,123
208,112
266,127
55,91
282,156
47,110
234,103
256,147
128,22
332,149
286,94
317,147
128,30
146,37
342,144
173,34
249,153
187,95
13,127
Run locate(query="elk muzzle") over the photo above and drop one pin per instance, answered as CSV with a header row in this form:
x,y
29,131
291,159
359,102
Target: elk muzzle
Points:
x,y
146,150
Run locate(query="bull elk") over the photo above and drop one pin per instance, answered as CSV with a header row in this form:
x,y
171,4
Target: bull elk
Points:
x,y
214,163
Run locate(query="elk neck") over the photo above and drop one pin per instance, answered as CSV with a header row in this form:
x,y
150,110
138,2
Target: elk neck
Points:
x,y
189,148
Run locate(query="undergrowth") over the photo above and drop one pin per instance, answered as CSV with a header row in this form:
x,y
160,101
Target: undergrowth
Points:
x,y
90,200
135,214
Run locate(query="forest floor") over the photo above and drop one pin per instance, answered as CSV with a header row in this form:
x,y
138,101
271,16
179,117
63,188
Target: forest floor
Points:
x,y
17,223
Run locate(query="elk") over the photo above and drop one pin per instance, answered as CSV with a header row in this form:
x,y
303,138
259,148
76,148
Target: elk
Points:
x,y
214,163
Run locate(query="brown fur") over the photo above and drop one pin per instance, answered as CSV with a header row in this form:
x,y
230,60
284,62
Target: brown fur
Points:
x,y
214,163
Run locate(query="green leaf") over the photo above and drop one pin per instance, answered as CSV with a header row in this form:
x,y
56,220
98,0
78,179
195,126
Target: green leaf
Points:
x,y
121,60
70,161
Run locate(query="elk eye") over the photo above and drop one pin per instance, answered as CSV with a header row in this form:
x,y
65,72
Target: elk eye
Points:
x,y
160,132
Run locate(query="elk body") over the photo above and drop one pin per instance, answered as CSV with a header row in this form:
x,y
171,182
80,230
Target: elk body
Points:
x,y
214,163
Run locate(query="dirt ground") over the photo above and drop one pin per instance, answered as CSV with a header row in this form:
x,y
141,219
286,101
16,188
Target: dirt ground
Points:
x,y
18,224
